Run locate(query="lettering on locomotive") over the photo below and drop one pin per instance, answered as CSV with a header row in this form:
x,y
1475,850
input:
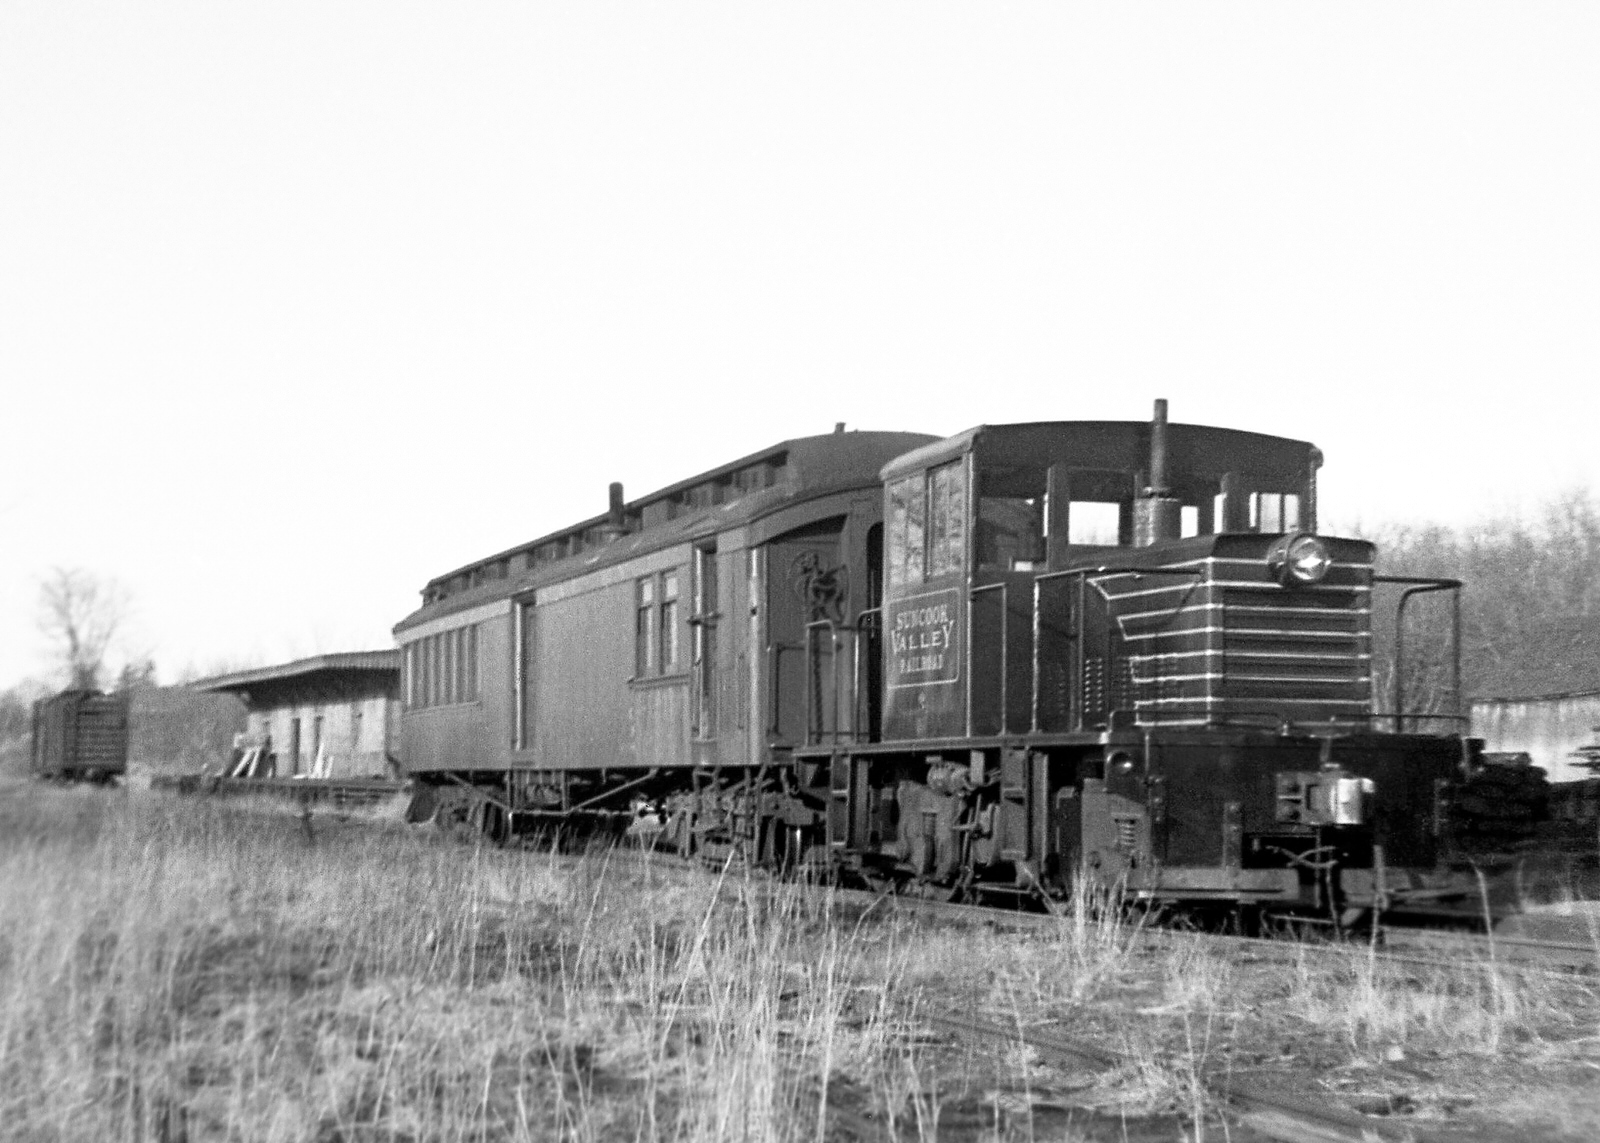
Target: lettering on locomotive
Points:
x,y
924,638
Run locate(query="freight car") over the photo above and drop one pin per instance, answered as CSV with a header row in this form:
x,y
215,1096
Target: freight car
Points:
x,y
80,735
994,662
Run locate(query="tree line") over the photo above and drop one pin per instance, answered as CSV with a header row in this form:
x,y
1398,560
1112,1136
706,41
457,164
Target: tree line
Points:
x,y
1530,607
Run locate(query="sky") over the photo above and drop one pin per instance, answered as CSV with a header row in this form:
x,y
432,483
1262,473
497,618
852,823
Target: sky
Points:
x,y
302,304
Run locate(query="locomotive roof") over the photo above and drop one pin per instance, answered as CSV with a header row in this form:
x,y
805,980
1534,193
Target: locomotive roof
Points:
x,y
743,490
1197,450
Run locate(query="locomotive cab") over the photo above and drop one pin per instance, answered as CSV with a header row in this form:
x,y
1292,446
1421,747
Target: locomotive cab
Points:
x,y
1120,649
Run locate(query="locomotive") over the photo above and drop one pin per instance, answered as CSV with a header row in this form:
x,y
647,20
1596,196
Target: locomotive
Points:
x,y
1004,661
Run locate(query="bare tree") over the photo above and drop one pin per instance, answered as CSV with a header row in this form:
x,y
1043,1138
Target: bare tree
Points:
x,y
80,612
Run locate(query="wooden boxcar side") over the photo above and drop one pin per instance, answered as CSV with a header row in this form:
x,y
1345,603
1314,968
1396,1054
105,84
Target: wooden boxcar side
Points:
x,y
80,734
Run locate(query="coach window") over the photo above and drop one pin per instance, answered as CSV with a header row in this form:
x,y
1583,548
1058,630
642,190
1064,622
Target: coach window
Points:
x,y
657,649
411,674
645,631
430,671
669,622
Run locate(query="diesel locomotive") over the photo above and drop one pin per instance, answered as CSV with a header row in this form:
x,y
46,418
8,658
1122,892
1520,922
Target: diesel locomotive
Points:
x,y
999,662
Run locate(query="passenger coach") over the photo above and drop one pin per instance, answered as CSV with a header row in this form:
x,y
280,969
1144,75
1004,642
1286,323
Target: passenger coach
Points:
x,y
586,674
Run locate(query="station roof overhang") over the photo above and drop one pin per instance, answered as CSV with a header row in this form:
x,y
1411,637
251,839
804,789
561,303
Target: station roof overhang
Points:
x,y
346,665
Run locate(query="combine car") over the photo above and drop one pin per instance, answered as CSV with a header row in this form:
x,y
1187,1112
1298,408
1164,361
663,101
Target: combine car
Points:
x,y
1002,661
648,665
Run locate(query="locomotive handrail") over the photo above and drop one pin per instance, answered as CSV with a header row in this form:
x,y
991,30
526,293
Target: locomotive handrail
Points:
x,y
1414,716
1341,723
861,627
814,734
1420,585
1074,635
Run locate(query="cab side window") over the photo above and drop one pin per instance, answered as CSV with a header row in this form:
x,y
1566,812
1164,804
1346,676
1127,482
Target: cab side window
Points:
x,y
928,525
947,518
908,526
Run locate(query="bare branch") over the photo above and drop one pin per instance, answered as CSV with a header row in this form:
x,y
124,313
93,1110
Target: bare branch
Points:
x,y
81,612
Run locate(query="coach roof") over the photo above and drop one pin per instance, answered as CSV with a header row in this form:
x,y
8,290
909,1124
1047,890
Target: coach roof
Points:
x,y
741,491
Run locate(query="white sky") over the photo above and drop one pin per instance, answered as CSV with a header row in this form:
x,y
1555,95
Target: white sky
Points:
x,y
302,304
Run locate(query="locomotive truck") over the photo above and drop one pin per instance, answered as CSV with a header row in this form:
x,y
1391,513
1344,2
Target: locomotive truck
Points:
x,y
1003,661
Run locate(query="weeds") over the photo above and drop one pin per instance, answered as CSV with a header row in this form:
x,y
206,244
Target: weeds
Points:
x,y
189,970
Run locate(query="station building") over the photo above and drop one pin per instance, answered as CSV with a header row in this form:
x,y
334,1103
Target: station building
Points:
x,y
329,716
1550,729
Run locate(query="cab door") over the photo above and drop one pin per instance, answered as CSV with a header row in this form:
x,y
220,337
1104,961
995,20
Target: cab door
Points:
x,y
807,588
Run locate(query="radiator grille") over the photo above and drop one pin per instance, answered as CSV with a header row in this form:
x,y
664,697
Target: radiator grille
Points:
x,y
1306,651
1234,642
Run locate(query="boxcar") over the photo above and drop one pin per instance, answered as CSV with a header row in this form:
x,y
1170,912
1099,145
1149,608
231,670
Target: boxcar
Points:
x,y
80,735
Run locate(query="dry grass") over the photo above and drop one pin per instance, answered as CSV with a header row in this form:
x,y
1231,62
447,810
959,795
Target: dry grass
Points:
x,y
189,970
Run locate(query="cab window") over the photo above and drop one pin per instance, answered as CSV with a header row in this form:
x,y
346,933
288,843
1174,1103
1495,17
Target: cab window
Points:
x,y
947,518
1094,522
1011,520
928,524
908,519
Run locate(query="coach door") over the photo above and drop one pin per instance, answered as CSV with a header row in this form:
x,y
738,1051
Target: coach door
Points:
x,y
705,664
808,586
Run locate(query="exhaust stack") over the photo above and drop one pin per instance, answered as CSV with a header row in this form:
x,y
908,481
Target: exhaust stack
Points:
x,y
616,524
1157,514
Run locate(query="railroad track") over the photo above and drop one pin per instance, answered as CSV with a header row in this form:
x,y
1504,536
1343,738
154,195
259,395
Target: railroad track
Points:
x,y
1430,949
1250,1103
1419,948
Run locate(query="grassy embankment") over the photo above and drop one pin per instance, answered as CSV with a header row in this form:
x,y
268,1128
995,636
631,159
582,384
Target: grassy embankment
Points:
x,y
176,969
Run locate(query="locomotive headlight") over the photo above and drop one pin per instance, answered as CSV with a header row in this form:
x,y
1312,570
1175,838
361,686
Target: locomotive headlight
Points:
x,y
1299,559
